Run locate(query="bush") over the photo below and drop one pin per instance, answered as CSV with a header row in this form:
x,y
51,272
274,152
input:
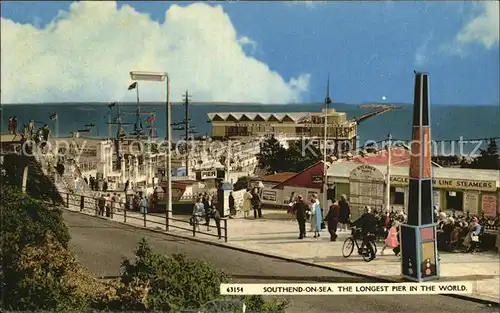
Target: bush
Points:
x,y
155,282
50,279
26,224
39,273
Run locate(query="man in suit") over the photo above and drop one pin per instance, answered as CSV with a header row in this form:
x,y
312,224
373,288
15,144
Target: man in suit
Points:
x,y
300,208
332,219
216,217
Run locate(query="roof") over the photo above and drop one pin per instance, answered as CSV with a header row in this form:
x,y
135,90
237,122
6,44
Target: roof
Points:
x,y
343,170
275,178
256,116
400,156
305,170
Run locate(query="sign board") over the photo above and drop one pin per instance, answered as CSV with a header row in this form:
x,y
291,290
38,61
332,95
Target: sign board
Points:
x,y
270,195
366,188
177,194
471,199
466,184
317,179
208,174
304,192
489,205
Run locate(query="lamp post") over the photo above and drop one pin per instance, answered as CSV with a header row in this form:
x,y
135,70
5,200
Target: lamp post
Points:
x,y
160,77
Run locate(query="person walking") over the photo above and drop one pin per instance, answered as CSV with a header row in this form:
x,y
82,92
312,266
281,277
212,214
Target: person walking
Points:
x,y
82,203
391,241
198,211
216,217
247,203
345,213
256,204
300,214
101,204
316,217
332,220
109,203
206,206
232,208
144,205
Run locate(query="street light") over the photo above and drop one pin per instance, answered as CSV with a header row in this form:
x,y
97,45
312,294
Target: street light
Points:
x,y
160,77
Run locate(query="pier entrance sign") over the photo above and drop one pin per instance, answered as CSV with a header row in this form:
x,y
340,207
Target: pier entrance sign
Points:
x,y
366,188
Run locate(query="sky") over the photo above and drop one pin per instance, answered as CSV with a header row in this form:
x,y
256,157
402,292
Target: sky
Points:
x,y
264,52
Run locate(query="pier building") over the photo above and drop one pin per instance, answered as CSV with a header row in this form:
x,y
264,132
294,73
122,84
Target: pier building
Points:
x,y
290,126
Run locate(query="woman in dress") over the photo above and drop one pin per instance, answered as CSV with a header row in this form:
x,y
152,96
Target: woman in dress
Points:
x,y
316,217
247,203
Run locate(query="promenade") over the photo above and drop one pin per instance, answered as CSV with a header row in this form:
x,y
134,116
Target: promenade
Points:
x,y
277,235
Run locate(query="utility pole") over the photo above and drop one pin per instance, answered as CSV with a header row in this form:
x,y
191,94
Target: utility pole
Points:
x,y
186,127
388,175
328,101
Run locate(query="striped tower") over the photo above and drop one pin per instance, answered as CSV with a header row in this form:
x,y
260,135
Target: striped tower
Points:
x,y
419,259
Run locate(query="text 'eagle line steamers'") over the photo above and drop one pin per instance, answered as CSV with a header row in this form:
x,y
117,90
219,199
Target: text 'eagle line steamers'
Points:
x,y
347,289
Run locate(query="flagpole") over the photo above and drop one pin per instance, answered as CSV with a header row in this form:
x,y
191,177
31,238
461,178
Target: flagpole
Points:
x,y
137,95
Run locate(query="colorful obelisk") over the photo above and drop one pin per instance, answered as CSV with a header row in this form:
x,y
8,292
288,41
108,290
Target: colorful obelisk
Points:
x,y
419,258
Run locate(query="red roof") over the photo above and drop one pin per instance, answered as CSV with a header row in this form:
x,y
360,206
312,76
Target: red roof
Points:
x,y
276,178
399,156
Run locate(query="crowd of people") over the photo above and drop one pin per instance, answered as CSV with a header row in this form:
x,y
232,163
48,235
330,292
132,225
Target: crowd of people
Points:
x,y
204,210
96,184
455,233
458,233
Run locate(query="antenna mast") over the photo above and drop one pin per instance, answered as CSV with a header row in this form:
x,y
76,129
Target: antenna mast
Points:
x,y
186,127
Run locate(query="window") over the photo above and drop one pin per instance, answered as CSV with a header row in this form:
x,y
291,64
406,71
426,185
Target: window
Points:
x,y
454,200
397,196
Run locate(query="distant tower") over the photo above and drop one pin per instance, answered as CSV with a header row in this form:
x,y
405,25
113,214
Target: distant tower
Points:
x,y
418,236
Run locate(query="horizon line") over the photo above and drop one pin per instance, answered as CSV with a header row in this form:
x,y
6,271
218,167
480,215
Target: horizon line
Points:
x,y
160,103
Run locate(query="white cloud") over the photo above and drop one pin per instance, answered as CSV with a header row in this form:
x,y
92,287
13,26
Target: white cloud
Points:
x,y
484,28
85,54
421,54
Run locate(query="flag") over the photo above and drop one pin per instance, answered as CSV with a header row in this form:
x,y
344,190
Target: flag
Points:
x,y
151,119
53,116
132,86
111,105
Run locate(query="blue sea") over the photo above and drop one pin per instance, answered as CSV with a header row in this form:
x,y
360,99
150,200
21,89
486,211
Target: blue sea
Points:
x,y
449,123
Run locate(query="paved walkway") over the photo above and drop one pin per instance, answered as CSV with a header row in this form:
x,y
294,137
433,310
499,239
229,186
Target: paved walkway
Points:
x,y
278,236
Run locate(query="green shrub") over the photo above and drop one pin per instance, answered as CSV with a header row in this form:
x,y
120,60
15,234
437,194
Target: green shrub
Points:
x,y
26,222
